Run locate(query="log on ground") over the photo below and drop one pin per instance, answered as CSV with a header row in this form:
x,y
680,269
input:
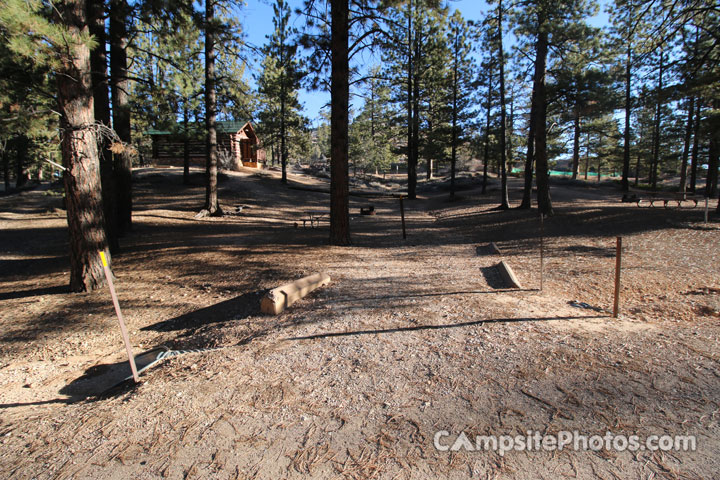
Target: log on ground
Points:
x,y
278,299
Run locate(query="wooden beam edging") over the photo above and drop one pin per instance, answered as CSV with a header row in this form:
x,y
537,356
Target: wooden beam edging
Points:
x,y
278,299
508,275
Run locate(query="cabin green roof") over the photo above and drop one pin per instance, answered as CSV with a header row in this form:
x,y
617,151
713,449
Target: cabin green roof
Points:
x,y
230,126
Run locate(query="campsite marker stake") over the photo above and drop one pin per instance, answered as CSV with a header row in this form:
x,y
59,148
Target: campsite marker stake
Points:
x,y
618,261
123,330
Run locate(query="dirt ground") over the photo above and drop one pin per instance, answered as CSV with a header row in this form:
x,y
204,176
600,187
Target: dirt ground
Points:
x,y
411,337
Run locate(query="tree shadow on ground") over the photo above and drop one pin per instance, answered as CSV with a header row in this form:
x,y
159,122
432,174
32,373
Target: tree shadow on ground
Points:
x,y
440,327
493,278
100,382
237,308
35,292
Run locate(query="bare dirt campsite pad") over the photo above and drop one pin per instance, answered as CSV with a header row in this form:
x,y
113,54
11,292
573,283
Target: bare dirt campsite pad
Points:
x,y
411,337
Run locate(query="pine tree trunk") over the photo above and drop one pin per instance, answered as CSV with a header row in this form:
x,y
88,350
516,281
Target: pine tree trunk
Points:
x,y
541,159
511,132
587,156
121,110
637,170
411,161
340,106
504,202
212,206
429,135
101,99
530,157
21,150
6,168
186,144
80,153
576,143
415,111
656,133
695,149
454,140
624,183
686,146
486,153
283,136
712,175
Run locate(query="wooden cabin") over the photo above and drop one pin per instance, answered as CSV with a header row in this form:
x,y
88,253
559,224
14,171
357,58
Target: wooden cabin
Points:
x,y
236,140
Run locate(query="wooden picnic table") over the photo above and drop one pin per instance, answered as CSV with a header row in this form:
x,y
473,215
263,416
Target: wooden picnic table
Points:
x,y
665,198
314,217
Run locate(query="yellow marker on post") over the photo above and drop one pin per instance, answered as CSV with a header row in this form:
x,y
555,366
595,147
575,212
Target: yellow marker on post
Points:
x,y
123,330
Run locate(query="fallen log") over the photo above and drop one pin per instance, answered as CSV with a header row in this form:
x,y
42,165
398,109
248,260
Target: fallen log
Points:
x,y
508,275
278,299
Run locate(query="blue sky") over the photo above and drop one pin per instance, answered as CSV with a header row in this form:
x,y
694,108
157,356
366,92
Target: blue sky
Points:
x,y
256,18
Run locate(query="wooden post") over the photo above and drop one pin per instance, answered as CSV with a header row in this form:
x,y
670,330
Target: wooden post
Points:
x,y
123,330
706,208
402,216
542,249
618,263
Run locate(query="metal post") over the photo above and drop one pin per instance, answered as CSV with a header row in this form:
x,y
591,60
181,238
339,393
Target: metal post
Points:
x,y
542,249
402,216
618,263
123,330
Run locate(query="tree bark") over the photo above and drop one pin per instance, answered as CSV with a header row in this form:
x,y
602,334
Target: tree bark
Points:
x,y
80,153
695,148
186,144
411,161
541,160
686,146
486,154
340,106
624,182
587,155
121,110
712,175
211,162
453,152
101,100
656,133
576,143
504,202
415,110
22,143
511,131
283,108
6,167
283,139
526,202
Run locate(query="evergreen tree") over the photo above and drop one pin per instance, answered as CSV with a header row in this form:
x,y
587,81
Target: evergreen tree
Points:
x,y
27,122
280,82
61,40
331,41
629,32
373,133
547,24
414,35
119,88
463,82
